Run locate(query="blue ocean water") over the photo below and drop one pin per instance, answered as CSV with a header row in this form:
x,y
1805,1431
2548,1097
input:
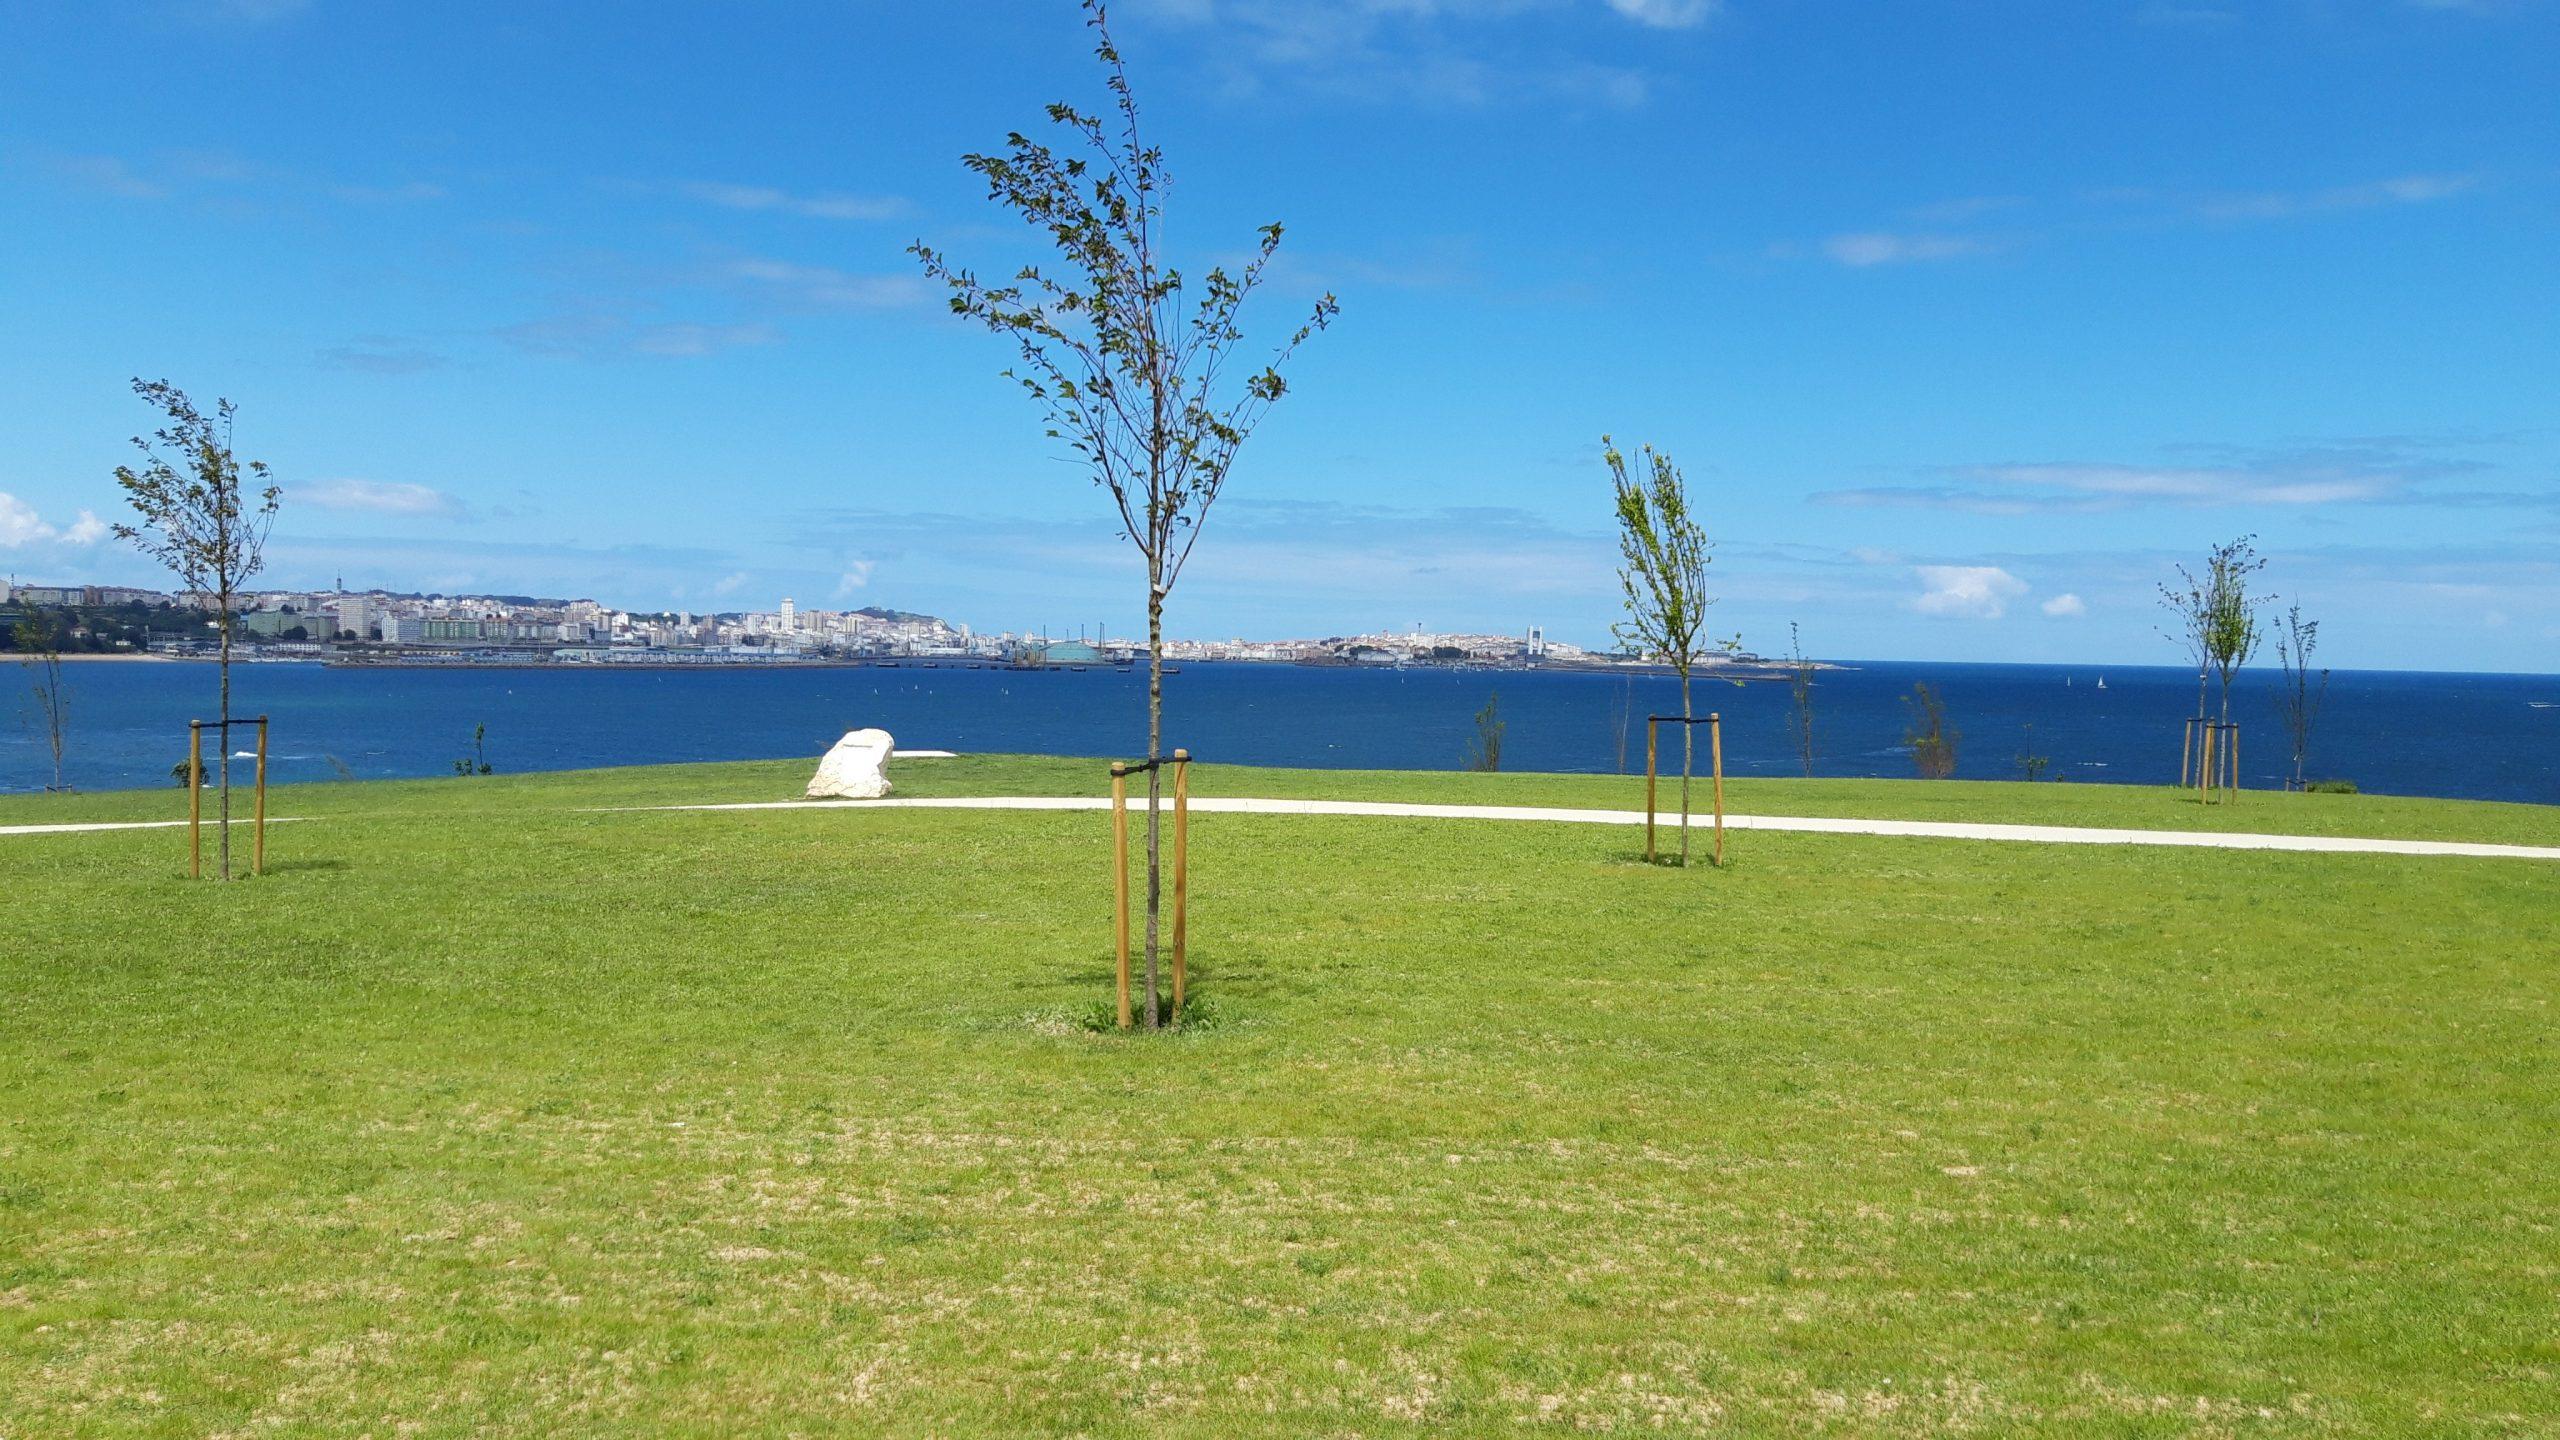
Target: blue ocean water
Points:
x,y
2474,736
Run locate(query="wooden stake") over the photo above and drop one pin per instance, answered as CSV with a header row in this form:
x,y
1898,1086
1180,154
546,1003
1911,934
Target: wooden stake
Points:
x,y
2186,753
1120,877
258,847
1181,873
195,799
1652,736
1715,749
2204,770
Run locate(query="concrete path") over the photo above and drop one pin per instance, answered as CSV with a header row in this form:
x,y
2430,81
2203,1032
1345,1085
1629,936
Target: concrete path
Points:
x,y
1929,829
1809,825
129,825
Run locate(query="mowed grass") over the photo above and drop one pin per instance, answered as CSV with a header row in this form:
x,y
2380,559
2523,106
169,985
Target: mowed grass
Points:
x,y
487,1113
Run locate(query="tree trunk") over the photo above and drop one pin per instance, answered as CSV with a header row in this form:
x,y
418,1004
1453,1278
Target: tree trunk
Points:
x,y
222,829
1688,748
54,706
1155,777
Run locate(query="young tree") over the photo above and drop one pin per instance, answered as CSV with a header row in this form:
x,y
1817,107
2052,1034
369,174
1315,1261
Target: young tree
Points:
x,y
2194,617
2231,638
205,516
1664,582
1932,740
2298,703
2031,766
38,641
1484,752
2217,618
1130,366
1800,698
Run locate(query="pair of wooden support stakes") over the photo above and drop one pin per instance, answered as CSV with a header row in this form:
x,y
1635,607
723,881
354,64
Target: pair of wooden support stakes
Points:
x,y
2209,757
195,793
1120,773
1715,752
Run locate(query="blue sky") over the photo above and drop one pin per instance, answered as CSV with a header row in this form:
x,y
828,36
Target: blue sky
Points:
x,y
1966,320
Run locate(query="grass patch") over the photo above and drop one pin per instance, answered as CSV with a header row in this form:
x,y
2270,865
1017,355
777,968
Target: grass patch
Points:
x,y
490,1111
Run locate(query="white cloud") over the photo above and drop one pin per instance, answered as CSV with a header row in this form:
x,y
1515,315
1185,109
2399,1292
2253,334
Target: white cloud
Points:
x,y
1441,52
109,175
2370,470
2199,485
824,206
21,526
2063,607
687,339
2372,194
252,12
730,584
1879,248
409,192
857,574
1666,14
381,497
823,285
598,336
1967,592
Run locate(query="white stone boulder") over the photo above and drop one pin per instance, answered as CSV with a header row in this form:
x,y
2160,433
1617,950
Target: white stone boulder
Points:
x,y
856,769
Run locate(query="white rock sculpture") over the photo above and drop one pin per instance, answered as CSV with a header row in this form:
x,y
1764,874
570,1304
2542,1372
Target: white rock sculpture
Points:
x,y
856,769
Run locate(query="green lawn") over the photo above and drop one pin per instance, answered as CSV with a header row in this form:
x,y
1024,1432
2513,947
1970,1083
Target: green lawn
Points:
x,y
488,1113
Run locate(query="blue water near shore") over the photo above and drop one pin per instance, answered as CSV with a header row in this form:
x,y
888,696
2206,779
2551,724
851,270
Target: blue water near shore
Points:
x,y
2476,736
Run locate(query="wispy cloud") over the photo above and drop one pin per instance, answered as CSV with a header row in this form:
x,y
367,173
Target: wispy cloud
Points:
x,y
451,563
410,192
605,335
2189,17
1881,248
2386,470
1667,14
2369,195
380,497
1954,228
855,577
242,12
1434,52
1288,566
824,287
109,175
688,338
380,355
2065,606
825,205
222,179
1434,266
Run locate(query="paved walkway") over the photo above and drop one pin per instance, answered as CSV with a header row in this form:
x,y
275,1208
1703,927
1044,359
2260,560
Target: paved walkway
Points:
x,y
1930,829
131,825
1809,825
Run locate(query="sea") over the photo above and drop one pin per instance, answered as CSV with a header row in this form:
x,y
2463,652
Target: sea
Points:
x,y
2474,736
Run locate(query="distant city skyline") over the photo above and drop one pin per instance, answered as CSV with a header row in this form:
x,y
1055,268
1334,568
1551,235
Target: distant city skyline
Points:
x,y
1968,323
